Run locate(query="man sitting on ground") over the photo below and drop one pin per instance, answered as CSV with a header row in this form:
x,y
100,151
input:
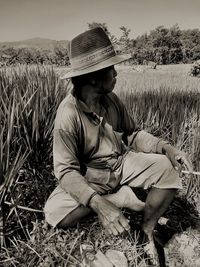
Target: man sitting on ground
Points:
x,y
98,147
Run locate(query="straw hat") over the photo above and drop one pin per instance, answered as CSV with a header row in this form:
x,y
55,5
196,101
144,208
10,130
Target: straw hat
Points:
x,y
91,51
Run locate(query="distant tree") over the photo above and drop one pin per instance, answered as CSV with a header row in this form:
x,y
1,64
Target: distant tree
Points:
x,y
10,55
103,25
196,52
175,37
124,40
175,47
159,37
141,40
190,45
162,55
162,45
26,55
61,55
190,37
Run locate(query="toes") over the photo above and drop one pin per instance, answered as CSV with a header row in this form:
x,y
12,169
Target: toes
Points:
x,y
151,253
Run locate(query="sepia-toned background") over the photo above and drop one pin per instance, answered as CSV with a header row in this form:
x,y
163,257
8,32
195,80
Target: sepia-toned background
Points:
x,y
160,86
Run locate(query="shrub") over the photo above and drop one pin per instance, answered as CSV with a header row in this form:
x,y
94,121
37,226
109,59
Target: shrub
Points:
x,y
195,69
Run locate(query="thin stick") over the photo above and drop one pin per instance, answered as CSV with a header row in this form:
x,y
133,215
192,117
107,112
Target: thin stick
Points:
x,y
22,207
188,172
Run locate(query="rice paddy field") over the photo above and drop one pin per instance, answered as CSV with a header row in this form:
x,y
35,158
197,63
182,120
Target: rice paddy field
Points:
x,y
165,102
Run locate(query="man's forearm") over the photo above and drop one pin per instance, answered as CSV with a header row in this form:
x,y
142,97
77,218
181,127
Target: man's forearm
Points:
x,y
146,142
165,147
76,185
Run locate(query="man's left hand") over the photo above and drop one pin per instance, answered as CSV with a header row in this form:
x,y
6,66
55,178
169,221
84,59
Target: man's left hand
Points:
x,y
178,158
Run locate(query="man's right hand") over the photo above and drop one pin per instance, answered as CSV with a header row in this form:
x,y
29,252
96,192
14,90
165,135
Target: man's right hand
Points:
x,y
109,215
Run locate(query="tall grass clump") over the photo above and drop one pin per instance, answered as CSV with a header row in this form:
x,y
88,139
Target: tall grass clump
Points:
x,y
11,156
38,93
29,99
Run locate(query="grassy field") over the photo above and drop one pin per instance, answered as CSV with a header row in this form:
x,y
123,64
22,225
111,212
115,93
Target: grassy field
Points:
x,y
165,101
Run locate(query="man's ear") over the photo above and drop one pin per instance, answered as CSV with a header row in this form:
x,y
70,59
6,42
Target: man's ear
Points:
x,y
95,82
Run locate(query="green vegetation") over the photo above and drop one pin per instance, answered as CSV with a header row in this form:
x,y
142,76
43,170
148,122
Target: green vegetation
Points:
x,y
195,69
34,51
161,45
163,101
28,104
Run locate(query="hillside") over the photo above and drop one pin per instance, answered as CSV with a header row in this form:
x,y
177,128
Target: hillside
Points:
x,y
38,43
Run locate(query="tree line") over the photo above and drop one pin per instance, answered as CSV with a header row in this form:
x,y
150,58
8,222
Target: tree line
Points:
x,y
166,46
161,45
32,55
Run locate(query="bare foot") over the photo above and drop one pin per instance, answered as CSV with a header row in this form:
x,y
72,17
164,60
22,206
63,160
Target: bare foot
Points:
x,y
151,253
150,248
129,199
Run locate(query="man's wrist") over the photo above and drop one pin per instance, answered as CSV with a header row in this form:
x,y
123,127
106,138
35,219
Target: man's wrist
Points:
x,y
94,200
160,146
90,198
166,147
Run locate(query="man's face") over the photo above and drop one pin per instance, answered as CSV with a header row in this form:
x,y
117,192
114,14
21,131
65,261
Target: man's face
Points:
x,y
108,80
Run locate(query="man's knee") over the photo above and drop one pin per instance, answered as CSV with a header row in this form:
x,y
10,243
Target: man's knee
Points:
x,y
167,176
163,163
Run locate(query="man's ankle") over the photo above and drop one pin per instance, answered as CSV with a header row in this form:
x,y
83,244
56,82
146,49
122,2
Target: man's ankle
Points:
x,y
148,231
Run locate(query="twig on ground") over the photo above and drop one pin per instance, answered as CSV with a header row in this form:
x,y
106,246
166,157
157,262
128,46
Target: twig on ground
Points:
x,y
22,207
188,172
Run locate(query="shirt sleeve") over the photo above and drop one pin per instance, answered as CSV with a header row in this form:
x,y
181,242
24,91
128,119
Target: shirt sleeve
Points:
x,y
145,142
66,161
125,122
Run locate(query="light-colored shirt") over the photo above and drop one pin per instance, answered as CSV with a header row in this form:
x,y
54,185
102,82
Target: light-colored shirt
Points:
x,y
84,139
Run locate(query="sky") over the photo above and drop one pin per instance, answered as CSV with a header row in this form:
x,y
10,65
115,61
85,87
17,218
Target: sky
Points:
x,y
64,19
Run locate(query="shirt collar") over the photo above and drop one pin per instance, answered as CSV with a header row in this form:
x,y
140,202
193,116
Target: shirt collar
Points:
x,y
83,106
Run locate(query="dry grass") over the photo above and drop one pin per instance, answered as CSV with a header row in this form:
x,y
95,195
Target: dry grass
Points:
x,y
163,101
172,77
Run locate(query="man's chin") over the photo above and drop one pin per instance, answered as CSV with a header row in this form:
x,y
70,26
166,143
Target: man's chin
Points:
x,y
110,91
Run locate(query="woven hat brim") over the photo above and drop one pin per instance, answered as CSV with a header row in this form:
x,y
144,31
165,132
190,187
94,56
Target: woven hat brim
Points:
x,y
101,65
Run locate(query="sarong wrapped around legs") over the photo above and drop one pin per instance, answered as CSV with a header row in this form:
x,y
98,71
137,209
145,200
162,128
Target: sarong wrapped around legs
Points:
x,y
137,170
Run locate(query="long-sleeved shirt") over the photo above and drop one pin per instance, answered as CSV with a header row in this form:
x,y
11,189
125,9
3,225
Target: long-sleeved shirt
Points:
x,y
82,138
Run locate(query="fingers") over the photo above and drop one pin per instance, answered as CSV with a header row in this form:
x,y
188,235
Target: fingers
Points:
x,y
188,164
178,164
112,229
118,226
178,159
175,163
124,222
183,159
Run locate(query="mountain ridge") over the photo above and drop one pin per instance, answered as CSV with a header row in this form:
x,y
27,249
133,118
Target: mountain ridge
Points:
x,y
37,42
